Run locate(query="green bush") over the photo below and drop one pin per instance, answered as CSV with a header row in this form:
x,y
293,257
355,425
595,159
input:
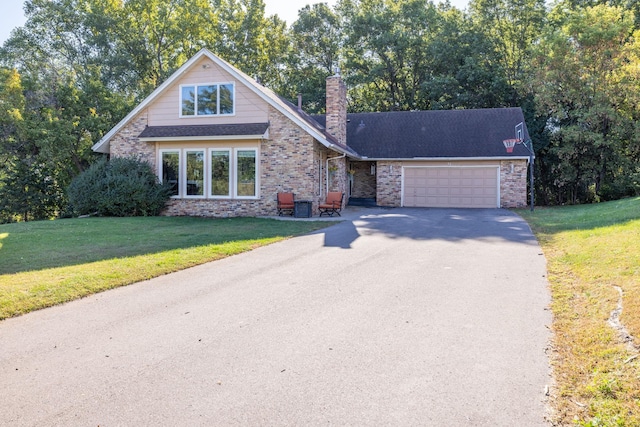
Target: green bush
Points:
x,y
119,187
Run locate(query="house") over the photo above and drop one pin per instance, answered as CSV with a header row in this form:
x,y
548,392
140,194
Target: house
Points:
x,y
226,145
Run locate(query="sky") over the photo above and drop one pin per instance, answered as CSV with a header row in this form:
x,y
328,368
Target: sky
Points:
x,y
12,14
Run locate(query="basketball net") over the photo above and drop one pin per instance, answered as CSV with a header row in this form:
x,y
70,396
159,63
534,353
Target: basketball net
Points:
x,y
510,143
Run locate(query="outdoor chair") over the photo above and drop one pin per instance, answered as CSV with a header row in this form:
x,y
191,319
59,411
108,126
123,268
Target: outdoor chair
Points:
x,y
332,205
285,203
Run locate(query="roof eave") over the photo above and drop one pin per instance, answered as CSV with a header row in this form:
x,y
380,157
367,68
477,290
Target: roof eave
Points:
x,y
445,159
100,145
201,138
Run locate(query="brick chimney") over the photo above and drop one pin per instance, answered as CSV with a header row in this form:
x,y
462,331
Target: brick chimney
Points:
x,y
337,107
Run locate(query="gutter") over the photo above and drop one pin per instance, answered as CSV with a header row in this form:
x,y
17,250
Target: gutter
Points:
x,y
444,159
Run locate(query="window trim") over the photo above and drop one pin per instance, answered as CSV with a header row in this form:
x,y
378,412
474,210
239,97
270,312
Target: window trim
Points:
x,y
195,104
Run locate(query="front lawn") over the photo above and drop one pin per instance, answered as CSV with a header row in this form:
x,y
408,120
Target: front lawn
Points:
x,y
45,263
593,252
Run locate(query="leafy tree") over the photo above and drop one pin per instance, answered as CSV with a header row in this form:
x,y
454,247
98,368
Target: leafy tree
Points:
x,y
29,191
513,28
254,43
29,185
587,70
385,51
463,72
315,52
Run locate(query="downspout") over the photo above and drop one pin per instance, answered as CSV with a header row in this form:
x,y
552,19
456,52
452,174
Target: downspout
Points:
x,y
532,158
326,170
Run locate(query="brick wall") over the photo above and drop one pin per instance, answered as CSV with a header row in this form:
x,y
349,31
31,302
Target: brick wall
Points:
x,y
389,183
126,143
364,183
513,183
290,160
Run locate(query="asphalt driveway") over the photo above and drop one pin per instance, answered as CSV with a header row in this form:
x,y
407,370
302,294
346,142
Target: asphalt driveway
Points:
x,y
425,317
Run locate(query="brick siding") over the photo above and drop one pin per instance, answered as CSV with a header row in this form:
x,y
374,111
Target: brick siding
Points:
x,y
364,183
389,188
126,143
513,183
290,160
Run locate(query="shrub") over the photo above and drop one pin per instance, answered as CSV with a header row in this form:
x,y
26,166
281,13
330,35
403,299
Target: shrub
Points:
x,y
119,187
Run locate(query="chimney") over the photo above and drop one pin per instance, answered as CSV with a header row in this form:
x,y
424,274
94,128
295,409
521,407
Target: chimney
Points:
x,y
337,107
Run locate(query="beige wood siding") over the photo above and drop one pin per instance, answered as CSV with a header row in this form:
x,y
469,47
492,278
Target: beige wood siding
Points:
x,y
249,107
451,186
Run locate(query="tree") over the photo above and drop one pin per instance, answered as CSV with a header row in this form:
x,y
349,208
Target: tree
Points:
x,y
587,71
249,40
385,51
513,28
314,55
463,72
29,186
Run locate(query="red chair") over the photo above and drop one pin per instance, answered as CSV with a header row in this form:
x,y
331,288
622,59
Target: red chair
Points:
x,y
285,203
333,204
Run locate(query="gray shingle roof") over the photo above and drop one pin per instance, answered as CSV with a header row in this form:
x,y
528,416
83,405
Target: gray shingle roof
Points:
x,y
435,133
204,130
320,127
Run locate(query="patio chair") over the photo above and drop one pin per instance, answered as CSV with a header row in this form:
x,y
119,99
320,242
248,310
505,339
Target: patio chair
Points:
x,y
285,203
332,205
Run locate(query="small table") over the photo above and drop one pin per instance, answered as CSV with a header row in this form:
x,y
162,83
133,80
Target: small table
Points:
x,y
302,209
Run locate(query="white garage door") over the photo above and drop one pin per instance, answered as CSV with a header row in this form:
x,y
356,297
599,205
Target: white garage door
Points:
x,y
451,187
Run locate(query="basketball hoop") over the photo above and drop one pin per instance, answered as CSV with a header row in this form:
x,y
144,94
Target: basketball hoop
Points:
x,y
510,143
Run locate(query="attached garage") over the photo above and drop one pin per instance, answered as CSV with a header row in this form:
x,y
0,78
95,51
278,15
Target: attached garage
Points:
x,y
440,158
451,186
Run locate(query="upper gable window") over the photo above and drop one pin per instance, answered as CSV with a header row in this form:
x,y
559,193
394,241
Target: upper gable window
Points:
x,y
213,99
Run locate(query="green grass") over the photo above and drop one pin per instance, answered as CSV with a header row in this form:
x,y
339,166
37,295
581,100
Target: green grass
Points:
x,y
50,262
591,250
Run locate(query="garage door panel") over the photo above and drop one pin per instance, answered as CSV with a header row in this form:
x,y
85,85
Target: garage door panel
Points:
x,y
462,191
451,187
421,191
